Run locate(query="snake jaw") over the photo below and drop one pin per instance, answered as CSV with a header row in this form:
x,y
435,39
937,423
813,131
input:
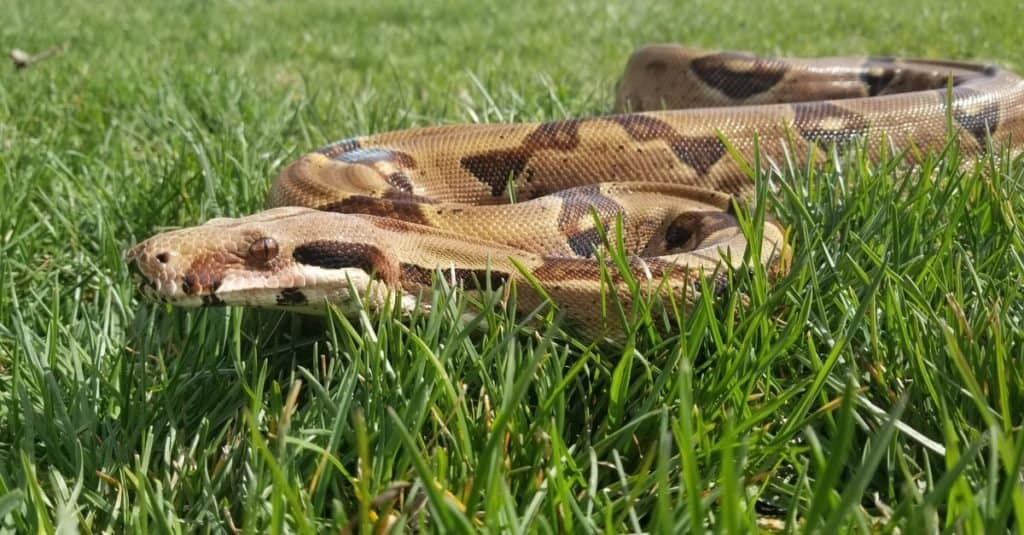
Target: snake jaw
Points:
x,y
253,261
214,279
161,275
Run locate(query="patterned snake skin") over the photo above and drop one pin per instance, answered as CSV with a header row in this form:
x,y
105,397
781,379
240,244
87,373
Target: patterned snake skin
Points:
x,y
382,214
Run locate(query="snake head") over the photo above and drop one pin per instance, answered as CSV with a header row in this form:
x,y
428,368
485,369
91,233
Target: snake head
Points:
x,y
294,258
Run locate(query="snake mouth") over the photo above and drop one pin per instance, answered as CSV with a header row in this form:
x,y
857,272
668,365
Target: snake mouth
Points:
x,y
159,277
280,258
146,279
143,283
301,289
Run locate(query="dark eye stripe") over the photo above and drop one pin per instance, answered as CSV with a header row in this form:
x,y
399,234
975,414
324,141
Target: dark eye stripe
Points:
x,y
340,255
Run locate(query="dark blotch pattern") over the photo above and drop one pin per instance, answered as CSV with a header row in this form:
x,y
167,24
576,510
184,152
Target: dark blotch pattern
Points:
x,y
575,219
688,230
339,255
555,135
471,279
206,273
985,118
339,147
679,233
584,242
399,180
644,127
404,210
758,76
495,168
876,78
698,152
291,297
811,118
408,197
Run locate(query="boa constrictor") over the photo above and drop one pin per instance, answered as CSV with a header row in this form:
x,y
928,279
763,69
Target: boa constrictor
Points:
x,y
383,214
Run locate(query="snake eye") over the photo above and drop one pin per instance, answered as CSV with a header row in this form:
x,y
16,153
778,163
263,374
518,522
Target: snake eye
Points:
x,y
263,249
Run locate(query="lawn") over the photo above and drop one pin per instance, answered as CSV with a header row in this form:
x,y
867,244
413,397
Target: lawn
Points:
x,y
877,387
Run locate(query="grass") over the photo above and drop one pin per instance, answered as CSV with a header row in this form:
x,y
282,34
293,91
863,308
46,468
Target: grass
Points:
x,y
876,388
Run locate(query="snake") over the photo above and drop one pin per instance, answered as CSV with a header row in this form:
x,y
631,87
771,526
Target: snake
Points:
x,y
646,202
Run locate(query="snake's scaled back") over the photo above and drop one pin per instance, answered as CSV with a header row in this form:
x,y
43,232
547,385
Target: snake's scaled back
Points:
x,y
380,214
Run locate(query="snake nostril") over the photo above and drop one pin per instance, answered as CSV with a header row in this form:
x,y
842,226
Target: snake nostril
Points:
x,y
163,257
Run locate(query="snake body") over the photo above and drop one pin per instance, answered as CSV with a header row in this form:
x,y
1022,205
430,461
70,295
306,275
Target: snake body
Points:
x,y
384,213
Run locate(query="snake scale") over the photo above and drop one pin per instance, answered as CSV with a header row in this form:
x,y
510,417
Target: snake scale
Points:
x,y
383,214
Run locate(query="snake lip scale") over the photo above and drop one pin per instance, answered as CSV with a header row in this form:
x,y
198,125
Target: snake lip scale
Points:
x,y
381,215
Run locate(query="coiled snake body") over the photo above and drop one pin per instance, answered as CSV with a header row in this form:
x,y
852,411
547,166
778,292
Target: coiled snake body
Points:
x,y
383,213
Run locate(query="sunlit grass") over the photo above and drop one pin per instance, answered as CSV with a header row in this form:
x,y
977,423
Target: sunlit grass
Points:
x,y
876,387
